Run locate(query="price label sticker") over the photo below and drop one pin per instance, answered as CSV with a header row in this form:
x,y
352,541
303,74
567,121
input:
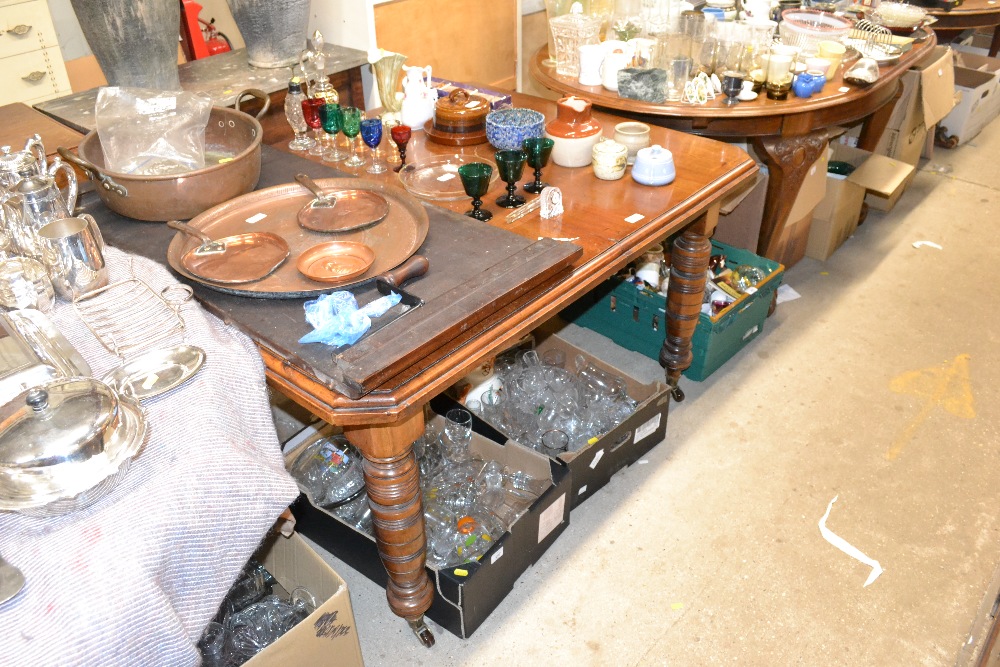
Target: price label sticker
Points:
x,y
256,218
446,177
634,218
150,381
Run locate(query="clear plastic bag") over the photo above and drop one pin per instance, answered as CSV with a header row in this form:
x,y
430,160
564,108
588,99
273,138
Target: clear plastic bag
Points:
x,y
151,132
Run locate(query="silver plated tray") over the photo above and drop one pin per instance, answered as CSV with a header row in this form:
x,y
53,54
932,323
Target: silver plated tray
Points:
x,y
156,372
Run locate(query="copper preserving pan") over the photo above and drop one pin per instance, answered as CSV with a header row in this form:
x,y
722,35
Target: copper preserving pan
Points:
x,y
274,210
232,143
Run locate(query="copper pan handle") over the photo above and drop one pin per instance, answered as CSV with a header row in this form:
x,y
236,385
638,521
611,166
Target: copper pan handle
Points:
x,y
189,230
260,95
93,171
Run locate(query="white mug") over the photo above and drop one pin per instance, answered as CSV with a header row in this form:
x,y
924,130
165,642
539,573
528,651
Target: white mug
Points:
x,y
613,62
591,57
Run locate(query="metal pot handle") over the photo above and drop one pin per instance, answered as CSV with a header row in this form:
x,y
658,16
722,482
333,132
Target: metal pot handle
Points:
x,y
190,231
71,184
260,95
93,171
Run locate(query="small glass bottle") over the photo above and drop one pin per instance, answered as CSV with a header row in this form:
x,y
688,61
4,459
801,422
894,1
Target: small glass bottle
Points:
x,y
293,113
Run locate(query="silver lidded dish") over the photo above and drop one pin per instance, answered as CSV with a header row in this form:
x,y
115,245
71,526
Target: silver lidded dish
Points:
x,y
64,445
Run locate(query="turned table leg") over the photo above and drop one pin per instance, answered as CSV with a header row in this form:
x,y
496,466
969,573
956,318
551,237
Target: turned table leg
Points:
x,y
685,292
788,160
392,479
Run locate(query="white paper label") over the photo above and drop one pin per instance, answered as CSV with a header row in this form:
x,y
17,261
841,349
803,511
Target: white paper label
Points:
x,y
551,517
752,331
648,428
446,177
597,458
156,105
634,218
497,556
150,380
751,290
256,218
583,490
844,89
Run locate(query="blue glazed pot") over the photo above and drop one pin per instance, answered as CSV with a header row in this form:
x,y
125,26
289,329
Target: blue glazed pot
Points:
x,y
506,129
804,84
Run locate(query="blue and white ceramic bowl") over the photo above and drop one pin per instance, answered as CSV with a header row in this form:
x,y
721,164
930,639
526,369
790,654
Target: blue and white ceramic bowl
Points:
x,y
506,129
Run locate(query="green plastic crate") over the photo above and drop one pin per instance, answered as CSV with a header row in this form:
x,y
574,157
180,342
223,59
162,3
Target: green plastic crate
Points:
x,y
636,319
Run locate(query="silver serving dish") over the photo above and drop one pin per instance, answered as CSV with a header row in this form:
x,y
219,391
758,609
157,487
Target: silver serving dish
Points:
x,y
156,372
32,351
64,444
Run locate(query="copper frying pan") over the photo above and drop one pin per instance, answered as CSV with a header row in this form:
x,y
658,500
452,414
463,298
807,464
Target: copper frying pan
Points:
x,y
233,260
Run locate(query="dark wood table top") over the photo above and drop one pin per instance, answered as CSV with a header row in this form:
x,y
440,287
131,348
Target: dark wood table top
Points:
x,y
838,103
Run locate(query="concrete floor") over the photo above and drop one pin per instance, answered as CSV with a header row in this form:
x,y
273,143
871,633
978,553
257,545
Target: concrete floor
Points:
x,y
881,385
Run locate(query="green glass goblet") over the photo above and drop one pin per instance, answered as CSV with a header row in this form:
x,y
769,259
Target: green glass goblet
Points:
x,y
476,181
351,127
538,150
332,118
510,164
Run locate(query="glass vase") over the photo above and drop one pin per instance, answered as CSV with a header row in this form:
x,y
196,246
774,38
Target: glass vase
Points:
x,y
387,71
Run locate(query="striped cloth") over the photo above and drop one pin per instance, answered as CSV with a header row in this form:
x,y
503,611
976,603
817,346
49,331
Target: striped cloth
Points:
x,y
134,578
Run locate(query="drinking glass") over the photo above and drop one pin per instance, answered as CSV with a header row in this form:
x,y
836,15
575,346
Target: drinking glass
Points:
x,y
554,442
310,112
537,150
457,435
476,181
351,127
371,133
678,73
332,118
510,164
400,135
732,84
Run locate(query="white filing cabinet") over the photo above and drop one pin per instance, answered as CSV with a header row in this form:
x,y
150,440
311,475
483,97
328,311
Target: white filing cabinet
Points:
x,y
31,64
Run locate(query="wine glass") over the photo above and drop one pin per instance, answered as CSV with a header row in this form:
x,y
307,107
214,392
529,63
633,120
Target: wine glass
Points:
x,y
476,181
310,111
400,135
351,126
371,133
537,150
332,119
732,84
510,164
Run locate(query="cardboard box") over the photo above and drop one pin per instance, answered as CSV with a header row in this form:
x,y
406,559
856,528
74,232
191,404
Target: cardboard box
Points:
x,y
978,104
593,466
977,43
928,96
811,192
791,247
328,636
836,217
465,595
741,214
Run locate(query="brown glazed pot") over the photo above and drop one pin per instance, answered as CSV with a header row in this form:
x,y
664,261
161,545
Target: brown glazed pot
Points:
x,y
461,112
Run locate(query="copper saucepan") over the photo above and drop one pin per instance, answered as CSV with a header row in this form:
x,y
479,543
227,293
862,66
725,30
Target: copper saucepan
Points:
x,y
230,133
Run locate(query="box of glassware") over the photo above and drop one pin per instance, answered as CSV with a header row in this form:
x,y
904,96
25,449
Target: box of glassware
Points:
x,y
329,635
636,420
477,545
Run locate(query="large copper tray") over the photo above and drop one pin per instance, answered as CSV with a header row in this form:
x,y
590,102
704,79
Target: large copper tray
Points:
x,y
274,210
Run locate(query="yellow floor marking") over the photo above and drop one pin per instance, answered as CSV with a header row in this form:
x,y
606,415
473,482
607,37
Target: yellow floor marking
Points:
x,y
945,386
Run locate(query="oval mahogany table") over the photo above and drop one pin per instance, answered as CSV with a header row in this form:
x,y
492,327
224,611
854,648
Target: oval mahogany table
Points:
x,y
970,14
788,135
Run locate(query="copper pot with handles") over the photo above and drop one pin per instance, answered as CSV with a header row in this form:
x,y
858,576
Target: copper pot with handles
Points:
x,y
232,136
